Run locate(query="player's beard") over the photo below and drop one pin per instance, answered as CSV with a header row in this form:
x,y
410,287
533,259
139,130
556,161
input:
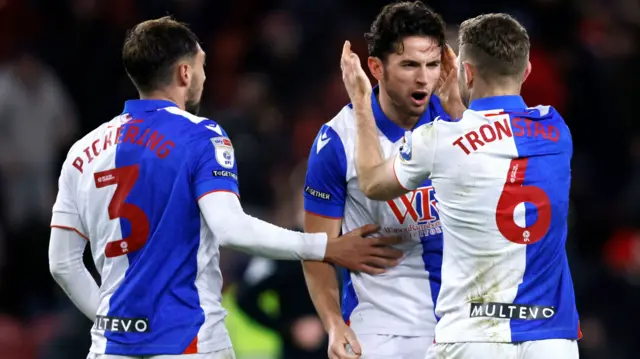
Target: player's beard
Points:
x,y
402,102
192,107
192,104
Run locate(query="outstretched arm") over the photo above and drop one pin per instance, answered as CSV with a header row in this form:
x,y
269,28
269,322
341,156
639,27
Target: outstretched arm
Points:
x,y
375,174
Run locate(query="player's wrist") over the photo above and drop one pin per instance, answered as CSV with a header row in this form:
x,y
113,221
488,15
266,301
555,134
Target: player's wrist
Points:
x,y
331,251
362,103
332,321
457,109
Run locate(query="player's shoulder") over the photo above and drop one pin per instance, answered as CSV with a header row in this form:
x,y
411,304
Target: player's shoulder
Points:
x,y
193,125
547,112
549,116
337,133
87,140
343,123
332,149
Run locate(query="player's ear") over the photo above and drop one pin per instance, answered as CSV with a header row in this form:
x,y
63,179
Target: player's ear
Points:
x,y
469,73
376,67
184,74
527,71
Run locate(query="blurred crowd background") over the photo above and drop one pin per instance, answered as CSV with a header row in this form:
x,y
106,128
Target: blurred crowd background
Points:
x,y
272,80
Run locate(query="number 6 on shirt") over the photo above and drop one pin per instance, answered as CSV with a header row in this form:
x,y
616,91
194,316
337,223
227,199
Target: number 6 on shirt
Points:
x,y
124,179
515,193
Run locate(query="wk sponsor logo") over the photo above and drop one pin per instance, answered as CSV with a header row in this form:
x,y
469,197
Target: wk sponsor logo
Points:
x,y
418,205
416,214
120,324
511,311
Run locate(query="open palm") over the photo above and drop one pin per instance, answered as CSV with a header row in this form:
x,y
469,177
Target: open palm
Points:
x,y
355,79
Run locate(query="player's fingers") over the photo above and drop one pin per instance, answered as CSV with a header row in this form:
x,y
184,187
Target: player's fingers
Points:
x,y
365,268
365,230
381,262
346,55
346,49
353,342
453,62
452,79
355,59
338,351
386,241
386,253
449,53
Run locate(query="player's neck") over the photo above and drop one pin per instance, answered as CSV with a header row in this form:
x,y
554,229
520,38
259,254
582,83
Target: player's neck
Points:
x,y
163,95
394,114
482,90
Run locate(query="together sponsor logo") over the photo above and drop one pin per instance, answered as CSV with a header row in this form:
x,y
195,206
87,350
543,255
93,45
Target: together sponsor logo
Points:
x,y
230,174
318,194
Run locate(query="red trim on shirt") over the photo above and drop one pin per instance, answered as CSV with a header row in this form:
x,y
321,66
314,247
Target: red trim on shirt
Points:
x,y
70,229
218,190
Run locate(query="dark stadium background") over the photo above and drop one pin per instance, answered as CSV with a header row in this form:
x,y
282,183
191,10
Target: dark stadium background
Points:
x,y
272,80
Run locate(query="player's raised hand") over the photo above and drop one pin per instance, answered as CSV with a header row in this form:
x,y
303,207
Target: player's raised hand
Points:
x,y
447,89
343,343
359,253
355,79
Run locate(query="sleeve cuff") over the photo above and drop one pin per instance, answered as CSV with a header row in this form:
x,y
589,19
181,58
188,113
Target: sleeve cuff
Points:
x,y
68,221
403,178
323,209
317,248
217,185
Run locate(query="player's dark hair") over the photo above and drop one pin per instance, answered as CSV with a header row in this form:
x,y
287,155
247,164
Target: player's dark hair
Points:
x,y
400,20
496,44
153,47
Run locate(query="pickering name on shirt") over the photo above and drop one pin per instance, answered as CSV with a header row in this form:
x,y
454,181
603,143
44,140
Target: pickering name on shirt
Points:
x,y
119,324
126,133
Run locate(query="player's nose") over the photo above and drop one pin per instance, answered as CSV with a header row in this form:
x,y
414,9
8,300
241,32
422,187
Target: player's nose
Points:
x,y
421,76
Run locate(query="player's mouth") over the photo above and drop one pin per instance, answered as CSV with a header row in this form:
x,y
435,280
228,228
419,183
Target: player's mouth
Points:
x,y
420,97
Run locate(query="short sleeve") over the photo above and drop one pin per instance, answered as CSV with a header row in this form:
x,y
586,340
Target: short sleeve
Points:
x,y
414,163
65,210
326,180
215,167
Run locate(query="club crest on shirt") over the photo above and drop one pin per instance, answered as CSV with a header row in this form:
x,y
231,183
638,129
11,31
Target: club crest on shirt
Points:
x,y
405,150
224,151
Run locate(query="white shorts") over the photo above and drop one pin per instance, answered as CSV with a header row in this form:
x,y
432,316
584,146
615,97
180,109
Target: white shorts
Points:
x,y
376,346
539,349
221,354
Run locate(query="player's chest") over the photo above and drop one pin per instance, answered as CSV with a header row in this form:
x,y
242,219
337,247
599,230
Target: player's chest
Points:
x,y
414,207
414,214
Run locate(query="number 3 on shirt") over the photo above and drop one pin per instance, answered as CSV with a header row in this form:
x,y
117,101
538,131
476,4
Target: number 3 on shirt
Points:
x,y
512,195
124,178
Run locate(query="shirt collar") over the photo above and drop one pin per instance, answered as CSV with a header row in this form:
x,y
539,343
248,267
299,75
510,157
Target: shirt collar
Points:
x,y
389,128
146,105
497,102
